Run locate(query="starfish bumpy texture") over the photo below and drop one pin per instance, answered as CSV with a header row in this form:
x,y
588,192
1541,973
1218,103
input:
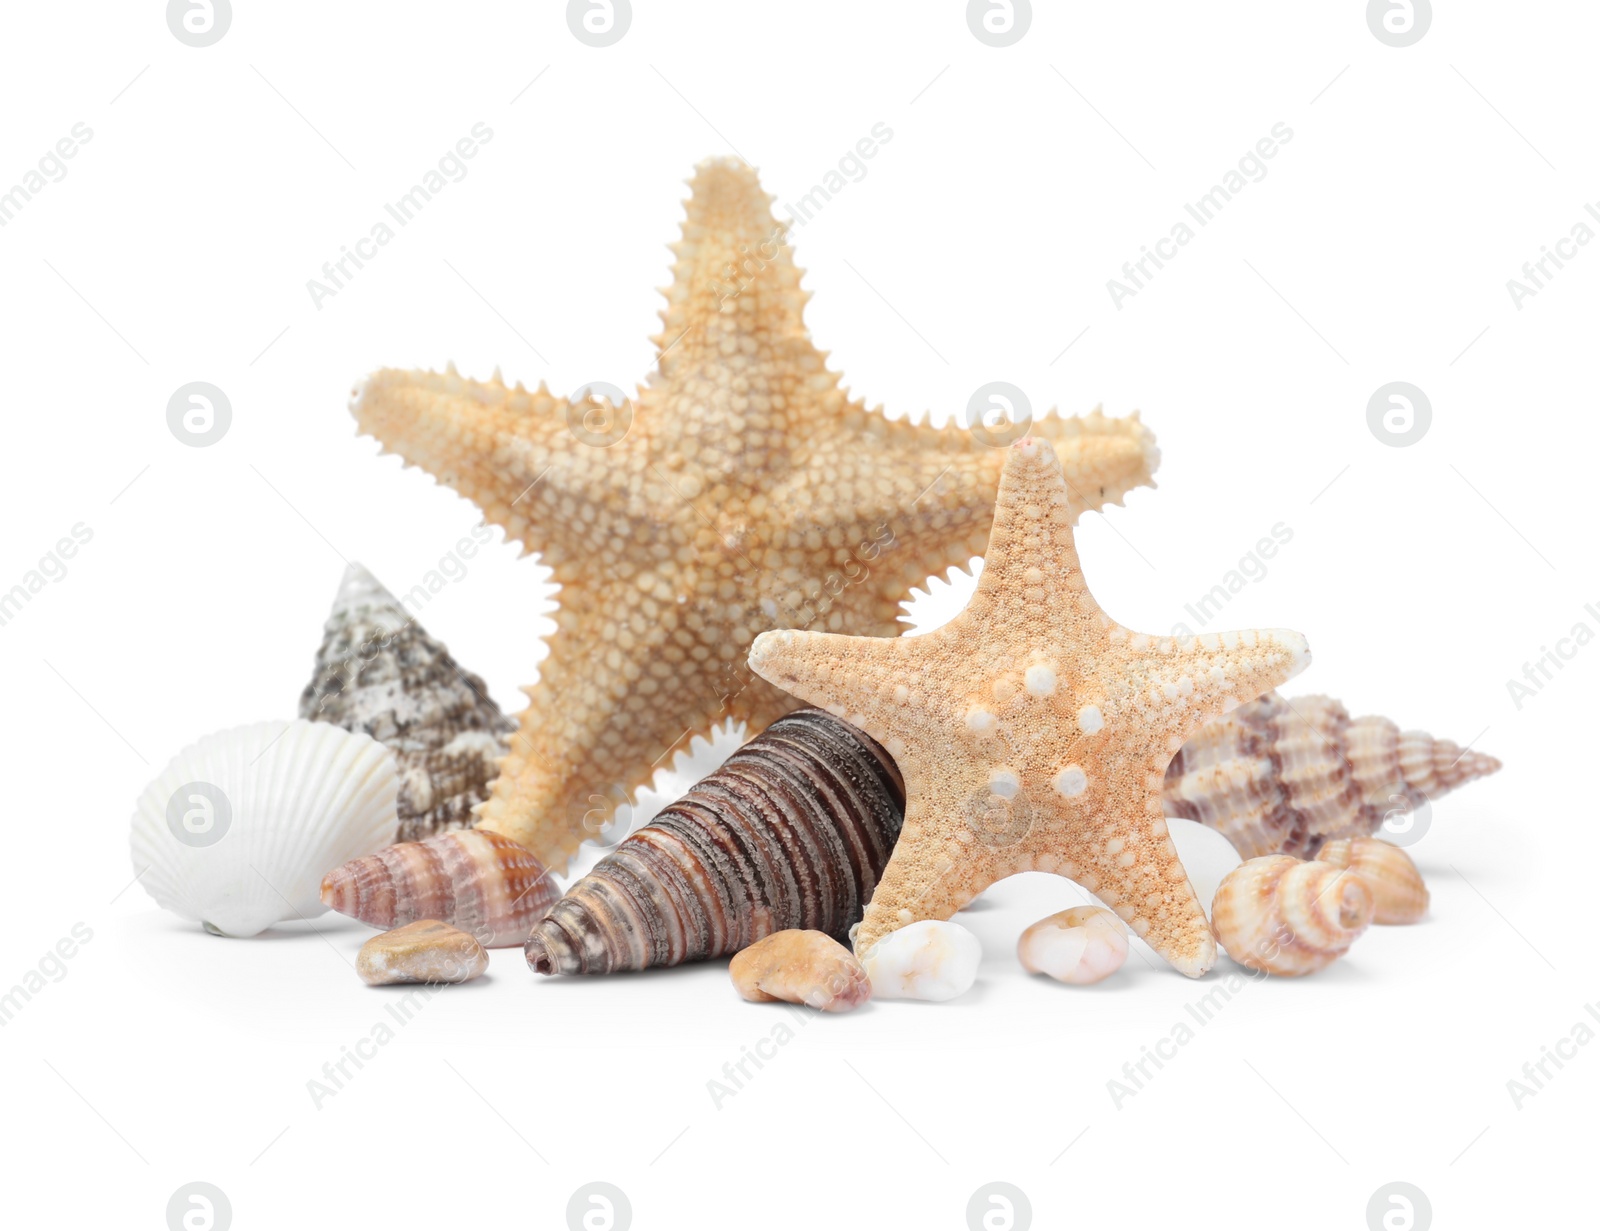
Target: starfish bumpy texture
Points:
x,y
741,489
1033,730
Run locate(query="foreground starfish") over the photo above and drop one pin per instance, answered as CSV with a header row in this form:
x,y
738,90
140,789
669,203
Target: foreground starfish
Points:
x,y
739,490
1033,730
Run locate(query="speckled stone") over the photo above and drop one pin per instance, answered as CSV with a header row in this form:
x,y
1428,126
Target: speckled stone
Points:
x,y
426,951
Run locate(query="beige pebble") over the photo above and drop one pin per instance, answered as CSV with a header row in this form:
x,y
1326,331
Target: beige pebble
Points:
x,y
801,967
426,951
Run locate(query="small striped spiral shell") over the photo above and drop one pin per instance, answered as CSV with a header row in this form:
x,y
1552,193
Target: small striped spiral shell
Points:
x,y
1283,776
1286,916
1397,889
479,882
793,831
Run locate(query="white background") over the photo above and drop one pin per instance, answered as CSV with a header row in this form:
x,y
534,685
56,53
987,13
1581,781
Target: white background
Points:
x,y
977,248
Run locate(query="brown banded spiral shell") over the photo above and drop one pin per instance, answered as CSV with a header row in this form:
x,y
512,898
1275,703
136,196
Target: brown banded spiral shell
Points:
x,y
480,882
379,672
793,831
1283,776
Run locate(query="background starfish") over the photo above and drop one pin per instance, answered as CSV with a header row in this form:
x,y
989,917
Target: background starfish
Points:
x,y
739,490
1033,730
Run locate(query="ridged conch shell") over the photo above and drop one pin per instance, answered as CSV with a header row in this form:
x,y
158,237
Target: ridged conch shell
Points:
x,y
801,967
480,882
1398,894
236,832
927,960
793,831
380,673
1282,776
1286,916
1081,945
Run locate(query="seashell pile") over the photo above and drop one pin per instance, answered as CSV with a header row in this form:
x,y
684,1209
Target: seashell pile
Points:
x,y
792,832
801,967
1281,776
1081,945
380,673
1399,896
1285,916
236,832
480,882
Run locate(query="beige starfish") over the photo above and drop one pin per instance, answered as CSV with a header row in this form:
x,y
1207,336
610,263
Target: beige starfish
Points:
x,y
1033,730
740,490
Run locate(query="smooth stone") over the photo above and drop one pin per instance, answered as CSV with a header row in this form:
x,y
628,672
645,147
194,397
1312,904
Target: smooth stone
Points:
x,y
426,951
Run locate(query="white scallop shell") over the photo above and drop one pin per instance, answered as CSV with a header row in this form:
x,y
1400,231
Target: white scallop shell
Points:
x,y
291,800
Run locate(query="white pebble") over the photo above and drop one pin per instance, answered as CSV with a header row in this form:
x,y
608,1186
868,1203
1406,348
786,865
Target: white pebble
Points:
x,y
1081,945
929,960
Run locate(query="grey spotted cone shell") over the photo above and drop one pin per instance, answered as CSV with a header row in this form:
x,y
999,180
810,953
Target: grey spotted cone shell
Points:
x,y
1284,776
793,831
379,672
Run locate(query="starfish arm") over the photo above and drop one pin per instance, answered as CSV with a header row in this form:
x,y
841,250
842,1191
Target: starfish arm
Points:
x,y
495,445
922,499
621,689
825,669
735,287
930,875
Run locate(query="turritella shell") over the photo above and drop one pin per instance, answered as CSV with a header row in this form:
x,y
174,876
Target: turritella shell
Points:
x,y
793,831
1283,776
1285,916
380,673
477,881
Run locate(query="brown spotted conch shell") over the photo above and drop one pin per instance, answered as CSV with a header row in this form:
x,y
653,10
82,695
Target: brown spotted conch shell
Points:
x,y
1286,916
792,832
1284,775
477,881
1397,889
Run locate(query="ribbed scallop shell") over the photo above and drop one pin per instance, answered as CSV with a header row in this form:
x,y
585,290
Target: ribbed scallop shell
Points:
x,y
295,799
1284,776
793,831
379,672
1287,916
480,882
1398,892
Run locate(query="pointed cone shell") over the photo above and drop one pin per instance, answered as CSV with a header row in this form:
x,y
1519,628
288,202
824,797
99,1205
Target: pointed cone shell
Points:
x,y
792,832
1285,916
476,881
237,830
1397,889
1282,775
380,673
